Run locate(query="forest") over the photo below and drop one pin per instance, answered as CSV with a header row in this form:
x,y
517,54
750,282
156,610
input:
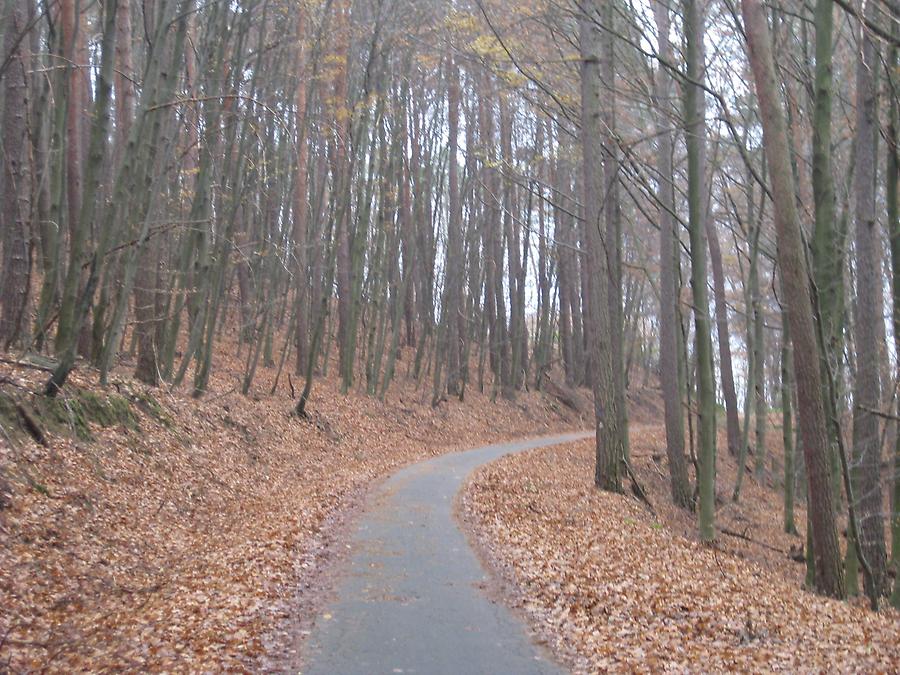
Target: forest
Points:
x,y
334,210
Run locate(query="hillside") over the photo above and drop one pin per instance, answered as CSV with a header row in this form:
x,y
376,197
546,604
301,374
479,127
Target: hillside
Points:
x,y
155,530
612,584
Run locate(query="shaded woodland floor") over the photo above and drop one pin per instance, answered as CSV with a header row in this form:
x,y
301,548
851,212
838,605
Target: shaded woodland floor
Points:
x,y
614,587
155,531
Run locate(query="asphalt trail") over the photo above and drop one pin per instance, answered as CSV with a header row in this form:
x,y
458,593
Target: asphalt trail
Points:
x,y
410,599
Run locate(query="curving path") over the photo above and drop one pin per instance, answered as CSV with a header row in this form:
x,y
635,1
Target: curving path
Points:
x,y
410,598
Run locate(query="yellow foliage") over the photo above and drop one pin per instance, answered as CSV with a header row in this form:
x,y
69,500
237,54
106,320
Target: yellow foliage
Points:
x,y
488,47
461,22
513,78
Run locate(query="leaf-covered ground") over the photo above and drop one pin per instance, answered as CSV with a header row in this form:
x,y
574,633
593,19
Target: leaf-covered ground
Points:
x,y
613,588
190,539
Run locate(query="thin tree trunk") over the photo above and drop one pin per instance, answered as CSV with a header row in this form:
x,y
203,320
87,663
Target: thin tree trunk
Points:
x,y
453,297
787,424
300,206
343,180
668,251
732,422
695,135
866,390
759,377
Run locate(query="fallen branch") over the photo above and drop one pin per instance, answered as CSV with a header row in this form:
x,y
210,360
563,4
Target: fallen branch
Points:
x,y
26,364
32,426
745,537
637,489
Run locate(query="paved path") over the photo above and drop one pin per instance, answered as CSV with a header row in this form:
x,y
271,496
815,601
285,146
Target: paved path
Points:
x,y
409,599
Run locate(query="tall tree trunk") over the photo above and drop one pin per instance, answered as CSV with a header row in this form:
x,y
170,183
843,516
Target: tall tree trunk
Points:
x,y
453,278
796,292
566,267
124,81
866,390
695,135
15,183
97,154
826,245
668,251
723,334
511,235
787,423
495,305
343,181
543,338
300,206
78,236
893,231
610,451
759,377
613,216
146,290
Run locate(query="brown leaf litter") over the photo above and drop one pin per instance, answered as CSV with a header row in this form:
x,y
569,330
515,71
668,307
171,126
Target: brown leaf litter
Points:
x,y
188,541
612,588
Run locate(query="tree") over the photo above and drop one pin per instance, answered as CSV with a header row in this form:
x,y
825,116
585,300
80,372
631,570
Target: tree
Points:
x,y
610,445
15,185
669,319
866,389
453,299
892,175
827,245
723,335
695,133
795,288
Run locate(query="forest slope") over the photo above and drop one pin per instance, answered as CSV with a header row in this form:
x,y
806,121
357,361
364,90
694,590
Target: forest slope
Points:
x,y
155,530
614,587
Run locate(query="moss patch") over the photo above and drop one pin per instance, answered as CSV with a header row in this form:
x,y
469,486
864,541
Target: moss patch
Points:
x,y
9,416
151,407
78,410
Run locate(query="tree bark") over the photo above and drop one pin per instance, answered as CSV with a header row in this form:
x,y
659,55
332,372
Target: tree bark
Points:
x,y
723,334
15,183
787,423
668,290
612,247
796,291
695,138
453,278
300,206
610,451
343,181
893,232
827,246
866,390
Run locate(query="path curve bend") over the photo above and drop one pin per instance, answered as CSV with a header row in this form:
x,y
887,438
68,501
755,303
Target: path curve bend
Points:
x,y
410,598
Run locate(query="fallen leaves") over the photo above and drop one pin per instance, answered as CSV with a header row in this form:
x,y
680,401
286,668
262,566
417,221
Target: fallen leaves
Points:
x,y
191,544
612,590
